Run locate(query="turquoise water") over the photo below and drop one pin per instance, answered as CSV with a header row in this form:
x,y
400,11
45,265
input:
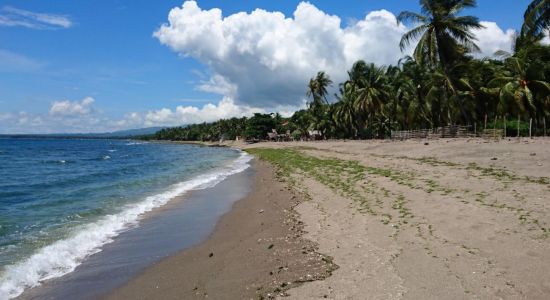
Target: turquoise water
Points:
x,y
61,200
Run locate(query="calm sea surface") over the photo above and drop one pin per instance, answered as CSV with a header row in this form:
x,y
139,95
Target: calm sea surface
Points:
x,y
62,200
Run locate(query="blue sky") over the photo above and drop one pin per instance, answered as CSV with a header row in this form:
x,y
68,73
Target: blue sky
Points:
x,y
106,51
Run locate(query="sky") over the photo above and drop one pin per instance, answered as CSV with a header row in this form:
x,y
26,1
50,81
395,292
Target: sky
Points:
x,y
97,66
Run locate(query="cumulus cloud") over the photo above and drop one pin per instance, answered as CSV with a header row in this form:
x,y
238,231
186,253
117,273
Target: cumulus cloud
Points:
x,y
258,62
26,122
226,108
12,17
492,38
265,59
72,108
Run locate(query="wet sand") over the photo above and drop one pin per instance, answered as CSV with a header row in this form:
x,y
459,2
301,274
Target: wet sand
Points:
x,y
182,223
256,250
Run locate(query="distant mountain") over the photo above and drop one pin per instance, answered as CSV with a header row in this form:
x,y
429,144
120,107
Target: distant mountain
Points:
x,y
130,133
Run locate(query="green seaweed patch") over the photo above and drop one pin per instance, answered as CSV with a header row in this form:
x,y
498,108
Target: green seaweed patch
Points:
x,y
342,176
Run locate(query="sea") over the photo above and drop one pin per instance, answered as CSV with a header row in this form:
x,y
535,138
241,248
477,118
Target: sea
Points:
x,y
80,216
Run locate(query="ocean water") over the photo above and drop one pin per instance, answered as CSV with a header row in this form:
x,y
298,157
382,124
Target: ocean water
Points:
x,y
61,201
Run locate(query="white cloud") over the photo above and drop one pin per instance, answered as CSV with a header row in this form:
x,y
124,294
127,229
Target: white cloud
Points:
x,y
68,108
181,115
259,61
264,59
79,117
15,17
492,38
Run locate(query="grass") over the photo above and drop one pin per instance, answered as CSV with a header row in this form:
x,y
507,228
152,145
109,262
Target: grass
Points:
x,y
342,176
496,173
348,178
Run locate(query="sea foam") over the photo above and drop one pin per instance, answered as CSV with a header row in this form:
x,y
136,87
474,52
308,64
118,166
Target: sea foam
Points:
x,y
63,256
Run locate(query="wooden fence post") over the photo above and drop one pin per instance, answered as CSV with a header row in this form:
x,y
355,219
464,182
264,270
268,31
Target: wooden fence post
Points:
x,y
485,126
544,121
495,127
530,125
519,116
505,126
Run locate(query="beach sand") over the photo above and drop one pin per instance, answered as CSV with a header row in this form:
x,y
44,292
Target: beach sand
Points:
x,y
428,219
256,250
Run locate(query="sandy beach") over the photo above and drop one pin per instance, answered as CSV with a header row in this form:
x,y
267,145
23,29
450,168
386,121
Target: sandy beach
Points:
x,y
257,250
426,219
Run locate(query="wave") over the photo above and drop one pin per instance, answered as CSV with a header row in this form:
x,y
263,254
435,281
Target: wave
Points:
x,y
135,143
63,256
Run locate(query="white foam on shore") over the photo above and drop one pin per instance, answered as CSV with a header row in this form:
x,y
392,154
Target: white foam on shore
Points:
x,y
65,255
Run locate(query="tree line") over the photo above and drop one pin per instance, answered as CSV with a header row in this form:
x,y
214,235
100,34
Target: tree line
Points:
x,y
441,83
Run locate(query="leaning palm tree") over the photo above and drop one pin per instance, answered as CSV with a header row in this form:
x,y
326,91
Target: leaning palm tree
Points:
x,y
536,18
317,87
443,35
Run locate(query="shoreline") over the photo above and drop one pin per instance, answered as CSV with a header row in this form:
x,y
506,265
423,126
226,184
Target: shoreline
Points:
x,y
256,250
207,197
469,214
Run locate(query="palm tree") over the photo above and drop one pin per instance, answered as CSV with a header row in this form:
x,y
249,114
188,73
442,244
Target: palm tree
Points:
x,y
517,90
344,115
317,87
372,92
317,90
536,18
405,107
443,35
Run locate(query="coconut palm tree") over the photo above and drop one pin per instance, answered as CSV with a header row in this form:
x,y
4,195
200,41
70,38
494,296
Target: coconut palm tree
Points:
x,y
345,116
317,90
443,35
536,18
517,90
372,92
317,87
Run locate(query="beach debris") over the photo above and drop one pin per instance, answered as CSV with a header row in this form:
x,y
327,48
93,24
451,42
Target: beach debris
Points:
x,y
211,254
494,158
260,211
270,246
426,144
533,154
